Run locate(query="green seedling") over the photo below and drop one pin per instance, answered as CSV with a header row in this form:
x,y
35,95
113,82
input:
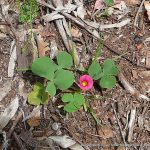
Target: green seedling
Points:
x,y
29,11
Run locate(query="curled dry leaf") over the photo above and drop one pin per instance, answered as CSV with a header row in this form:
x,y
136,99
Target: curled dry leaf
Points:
x,y
105,131
43,46
147,7
65,142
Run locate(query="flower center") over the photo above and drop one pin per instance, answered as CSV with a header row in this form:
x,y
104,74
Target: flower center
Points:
x,y
84,83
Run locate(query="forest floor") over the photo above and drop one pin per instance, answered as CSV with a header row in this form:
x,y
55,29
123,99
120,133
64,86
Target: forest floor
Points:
x,y
123,32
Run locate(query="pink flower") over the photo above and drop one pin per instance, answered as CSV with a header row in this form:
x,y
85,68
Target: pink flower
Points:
x,y
85,82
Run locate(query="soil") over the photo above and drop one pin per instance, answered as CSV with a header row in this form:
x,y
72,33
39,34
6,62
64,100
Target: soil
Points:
x,y
114,108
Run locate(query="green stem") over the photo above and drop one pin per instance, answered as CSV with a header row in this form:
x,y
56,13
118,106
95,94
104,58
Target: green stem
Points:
x,y
23,69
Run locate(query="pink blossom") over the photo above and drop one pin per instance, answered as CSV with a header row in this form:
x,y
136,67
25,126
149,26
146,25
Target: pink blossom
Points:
x,y
85,82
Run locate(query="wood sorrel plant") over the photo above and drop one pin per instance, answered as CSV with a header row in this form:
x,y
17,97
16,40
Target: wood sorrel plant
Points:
x,y
58,76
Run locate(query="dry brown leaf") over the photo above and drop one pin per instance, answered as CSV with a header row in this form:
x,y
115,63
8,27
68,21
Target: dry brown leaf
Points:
x,y
47,34
75,32
34,121
132,2
147,7
105,131
43,46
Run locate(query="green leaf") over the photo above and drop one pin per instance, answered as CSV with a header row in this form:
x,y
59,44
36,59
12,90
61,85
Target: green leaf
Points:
x,y
51,89
63,79
108,82
45,98
95,70
75,102
38,95
64,60
109,67
78,99
44,67
109,2
67,98
70,107
33,98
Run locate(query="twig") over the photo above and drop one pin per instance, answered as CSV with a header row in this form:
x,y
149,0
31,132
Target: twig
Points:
x,y
14,124
122,134
127,59
130,88
18,141
131,124
137,14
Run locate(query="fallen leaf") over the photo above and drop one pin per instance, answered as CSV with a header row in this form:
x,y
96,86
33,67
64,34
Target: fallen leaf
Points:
x,y
147,7
105,131
75,32
9,112
99,4
42,45
132,2
34,121
65,142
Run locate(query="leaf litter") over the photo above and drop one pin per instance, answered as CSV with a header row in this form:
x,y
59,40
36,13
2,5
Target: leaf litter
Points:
x,y
73,25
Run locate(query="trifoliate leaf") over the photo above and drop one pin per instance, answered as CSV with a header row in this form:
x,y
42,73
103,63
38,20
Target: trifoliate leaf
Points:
x,y
51,89
70,107
67,97
64,60
109,67
75,102
108,82
95,70
44,67
63,79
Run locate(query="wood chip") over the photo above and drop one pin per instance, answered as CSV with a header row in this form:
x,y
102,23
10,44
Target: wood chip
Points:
x,y
148,59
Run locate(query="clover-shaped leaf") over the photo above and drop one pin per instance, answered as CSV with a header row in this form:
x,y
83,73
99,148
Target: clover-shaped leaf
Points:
x,y
74,102
109,67
63,79
108,81
64,60
95,70
51,89
38,95
44,67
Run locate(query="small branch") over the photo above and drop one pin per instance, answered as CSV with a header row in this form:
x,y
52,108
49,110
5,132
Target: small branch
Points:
x,y
131,124
14,124
137,14
18,141
122,133
130,88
